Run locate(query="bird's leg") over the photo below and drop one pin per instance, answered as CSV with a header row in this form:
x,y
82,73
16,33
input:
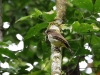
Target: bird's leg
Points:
x,y
56,49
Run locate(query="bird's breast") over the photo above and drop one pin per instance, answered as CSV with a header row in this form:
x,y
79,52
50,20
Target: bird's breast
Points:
x,y
53,41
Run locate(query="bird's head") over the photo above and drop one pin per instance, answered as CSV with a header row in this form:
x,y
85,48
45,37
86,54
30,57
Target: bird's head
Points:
x,y
50,31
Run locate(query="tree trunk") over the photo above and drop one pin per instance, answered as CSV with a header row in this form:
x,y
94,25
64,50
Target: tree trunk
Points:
x,y
56,53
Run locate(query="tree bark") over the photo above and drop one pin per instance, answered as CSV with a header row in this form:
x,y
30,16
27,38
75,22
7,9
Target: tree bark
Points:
x,y
56,59
56,53
61,11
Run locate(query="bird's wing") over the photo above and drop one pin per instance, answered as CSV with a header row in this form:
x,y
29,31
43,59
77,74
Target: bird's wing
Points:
x,y
61,38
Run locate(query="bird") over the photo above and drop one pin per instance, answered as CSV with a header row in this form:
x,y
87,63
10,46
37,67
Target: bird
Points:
x,y
57,40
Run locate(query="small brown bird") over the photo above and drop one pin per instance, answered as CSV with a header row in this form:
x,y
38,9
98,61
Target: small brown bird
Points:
x,y
57,39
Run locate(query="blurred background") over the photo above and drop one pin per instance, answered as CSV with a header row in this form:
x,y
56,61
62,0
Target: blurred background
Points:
x,y
24,50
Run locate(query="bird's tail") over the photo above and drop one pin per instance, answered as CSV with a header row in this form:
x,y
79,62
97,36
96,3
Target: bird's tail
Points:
x,y
71,51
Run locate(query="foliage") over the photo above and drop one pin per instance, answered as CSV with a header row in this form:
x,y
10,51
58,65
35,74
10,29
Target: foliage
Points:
x,y
29,18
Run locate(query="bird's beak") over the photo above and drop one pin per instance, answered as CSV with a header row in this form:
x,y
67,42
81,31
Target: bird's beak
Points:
x,y
46,37
46,32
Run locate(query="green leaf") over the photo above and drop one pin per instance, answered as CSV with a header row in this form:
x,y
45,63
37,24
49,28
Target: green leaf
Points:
x,y
39,51
83,51
8,53
41,72
95,28
22,18
1,58
35,15
3,43
35,29
38,12
97,6
85,4
75,26
96,63
84,27
49,17
18,4
78,49
95,40
11,70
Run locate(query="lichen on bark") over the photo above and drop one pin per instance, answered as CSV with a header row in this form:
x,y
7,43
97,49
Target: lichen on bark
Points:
x,y
56,53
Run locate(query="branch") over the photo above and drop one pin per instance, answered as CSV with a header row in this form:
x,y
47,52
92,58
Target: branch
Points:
x,y
61,10
56,59
56,54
